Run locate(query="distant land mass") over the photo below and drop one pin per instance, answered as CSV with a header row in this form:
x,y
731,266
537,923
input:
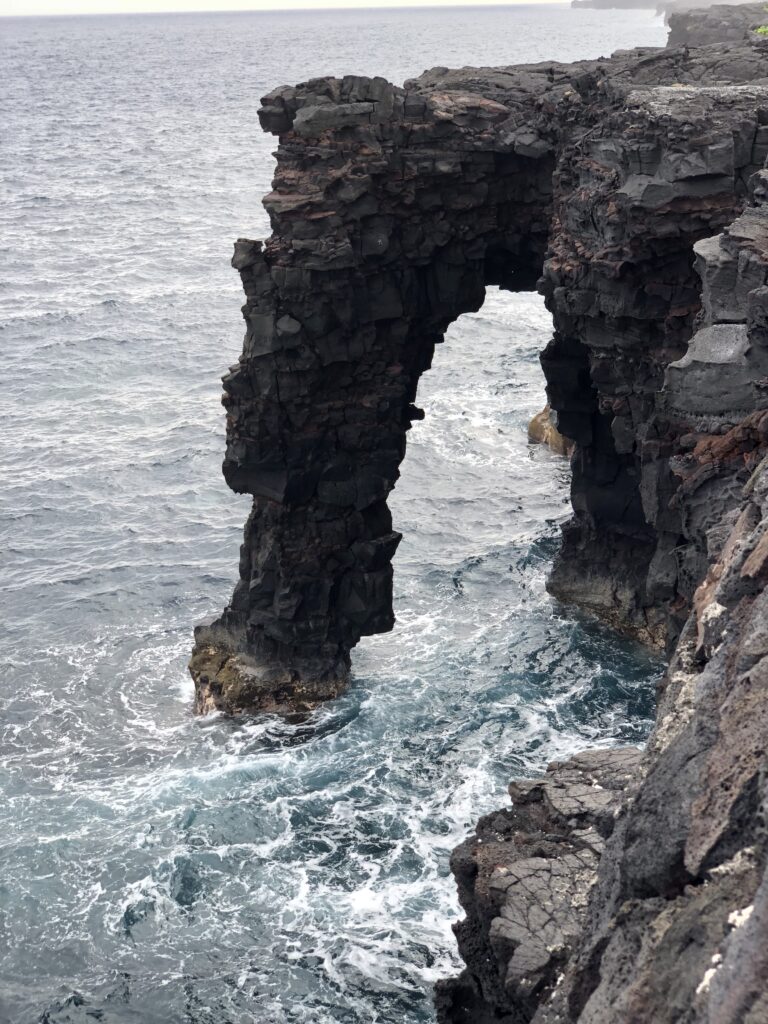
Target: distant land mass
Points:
x,y
661,6
614,3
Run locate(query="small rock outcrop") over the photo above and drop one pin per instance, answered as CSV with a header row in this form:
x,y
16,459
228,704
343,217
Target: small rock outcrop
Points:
x,y
542,430
523,881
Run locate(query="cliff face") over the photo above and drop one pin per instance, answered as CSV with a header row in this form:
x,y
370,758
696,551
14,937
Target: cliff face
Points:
x,y
633,198
712,25
622,886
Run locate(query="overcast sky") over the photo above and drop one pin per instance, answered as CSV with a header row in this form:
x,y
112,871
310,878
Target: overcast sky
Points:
x,y
15,7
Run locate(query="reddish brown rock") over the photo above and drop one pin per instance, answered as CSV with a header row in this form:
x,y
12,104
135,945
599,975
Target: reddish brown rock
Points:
x,y
543,430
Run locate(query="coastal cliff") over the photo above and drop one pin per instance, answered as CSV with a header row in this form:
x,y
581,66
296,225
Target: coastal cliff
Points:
x,y
712,25
634,887
631,192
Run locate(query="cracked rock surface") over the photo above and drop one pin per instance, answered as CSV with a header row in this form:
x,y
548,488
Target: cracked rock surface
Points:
x,y
524,880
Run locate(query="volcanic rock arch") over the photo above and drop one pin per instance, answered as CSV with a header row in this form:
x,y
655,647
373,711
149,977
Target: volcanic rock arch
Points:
x,y
392,210
390,216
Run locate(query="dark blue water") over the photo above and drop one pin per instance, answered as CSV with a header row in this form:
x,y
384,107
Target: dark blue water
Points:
x,y
156,867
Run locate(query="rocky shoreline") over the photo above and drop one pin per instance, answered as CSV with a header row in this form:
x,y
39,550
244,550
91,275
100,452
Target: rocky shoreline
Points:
x,y
628,887
624,887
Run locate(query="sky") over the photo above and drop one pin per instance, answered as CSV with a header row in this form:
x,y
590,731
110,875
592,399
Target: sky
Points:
x,y
36,7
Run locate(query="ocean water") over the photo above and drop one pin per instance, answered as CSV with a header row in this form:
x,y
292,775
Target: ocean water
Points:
x,y
155,866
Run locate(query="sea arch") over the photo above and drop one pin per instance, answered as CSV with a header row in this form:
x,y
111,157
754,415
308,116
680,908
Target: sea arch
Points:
x,y
392,209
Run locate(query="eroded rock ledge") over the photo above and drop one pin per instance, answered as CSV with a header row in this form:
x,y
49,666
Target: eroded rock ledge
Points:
x,y
712,25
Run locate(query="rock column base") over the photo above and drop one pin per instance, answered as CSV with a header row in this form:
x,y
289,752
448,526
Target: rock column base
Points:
x,y
238,683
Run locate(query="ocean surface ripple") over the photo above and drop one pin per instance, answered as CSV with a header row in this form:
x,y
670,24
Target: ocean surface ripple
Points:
x,y
157,867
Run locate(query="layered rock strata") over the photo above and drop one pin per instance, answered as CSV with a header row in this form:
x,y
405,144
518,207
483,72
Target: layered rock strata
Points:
x,y
641,191
392,210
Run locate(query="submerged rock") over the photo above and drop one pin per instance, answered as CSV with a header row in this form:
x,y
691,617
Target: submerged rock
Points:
x,y
543,430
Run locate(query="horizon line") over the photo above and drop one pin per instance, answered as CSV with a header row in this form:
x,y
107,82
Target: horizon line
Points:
x,y
300,10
